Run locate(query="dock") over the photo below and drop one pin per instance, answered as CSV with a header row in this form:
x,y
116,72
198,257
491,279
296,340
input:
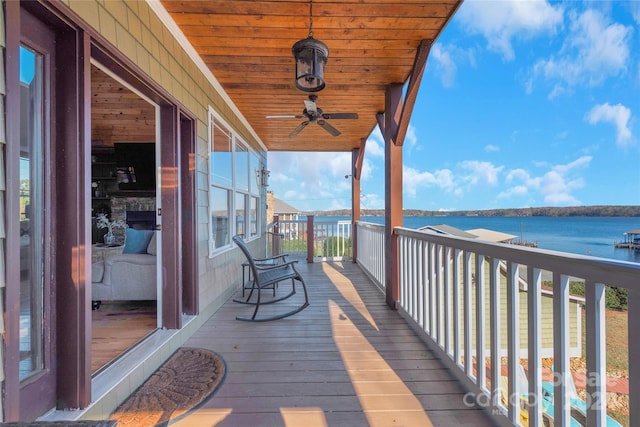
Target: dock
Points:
x,y
631,240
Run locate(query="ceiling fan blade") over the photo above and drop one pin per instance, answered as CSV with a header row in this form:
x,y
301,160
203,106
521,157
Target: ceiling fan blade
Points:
x,y
298,129
285,116
340,116
326,126
311,107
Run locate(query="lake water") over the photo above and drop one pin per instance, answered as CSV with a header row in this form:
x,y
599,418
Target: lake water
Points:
x,y
593,236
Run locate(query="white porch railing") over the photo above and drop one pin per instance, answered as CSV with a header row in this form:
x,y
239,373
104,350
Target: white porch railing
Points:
x,y
457,293
371,251
293,237
331,239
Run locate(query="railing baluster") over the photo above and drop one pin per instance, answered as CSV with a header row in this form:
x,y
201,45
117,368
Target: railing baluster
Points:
x,y
447,300
534,292
432,290
494,319
633,313
411,271
456,306
513,339
404,286
421,280
468,365
480,323
596,351
438,292
560,348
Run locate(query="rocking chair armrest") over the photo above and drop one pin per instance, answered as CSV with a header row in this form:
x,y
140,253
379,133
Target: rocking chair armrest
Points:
x,y
272,267
259,260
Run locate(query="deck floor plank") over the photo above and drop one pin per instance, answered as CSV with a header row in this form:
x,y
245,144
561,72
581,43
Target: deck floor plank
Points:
x,y
346,360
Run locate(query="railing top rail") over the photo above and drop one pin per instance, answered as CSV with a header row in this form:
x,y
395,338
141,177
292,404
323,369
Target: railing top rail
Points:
x,y
601,270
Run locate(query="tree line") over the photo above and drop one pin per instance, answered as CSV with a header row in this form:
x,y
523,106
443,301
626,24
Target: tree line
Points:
x,y
627,211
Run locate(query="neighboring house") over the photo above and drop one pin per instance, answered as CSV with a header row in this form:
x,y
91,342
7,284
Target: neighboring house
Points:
x,y
286,214
447,230
575,303
476,233
283,210
492,236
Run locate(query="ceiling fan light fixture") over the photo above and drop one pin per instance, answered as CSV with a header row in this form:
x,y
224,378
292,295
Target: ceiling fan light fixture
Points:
x,y
311,57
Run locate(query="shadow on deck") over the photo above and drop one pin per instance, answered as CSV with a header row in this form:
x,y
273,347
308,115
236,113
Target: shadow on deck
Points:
x,y
345,360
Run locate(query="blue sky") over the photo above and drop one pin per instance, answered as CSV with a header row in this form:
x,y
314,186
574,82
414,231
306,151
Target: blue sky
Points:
x,y
522,104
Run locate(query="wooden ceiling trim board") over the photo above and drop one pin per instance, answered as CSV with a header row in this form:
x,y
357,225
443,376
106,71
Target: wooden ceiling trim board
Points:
x,y
300,10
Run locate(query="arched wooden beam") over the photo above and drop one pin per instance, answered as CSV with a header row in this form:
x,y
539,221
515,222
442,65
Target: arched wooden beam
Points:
x,y
399,125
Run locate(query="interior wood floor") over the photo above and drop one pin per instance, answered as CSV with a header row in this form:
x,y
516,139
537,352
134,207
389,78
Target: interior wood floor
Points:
x,y
117,326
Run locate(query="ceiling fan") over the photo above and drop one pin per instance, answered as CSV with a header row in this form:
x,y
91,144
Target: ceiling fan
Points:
x,y
313,114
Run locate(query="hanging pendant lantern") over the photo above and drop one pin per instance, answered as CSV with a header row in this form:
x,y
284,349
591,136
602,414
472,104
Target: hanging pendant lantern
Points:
x,y
311,57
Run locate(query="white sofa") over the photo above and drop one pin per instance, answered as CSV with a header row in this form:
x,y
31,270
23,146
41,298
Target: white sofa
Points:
x,y
126,276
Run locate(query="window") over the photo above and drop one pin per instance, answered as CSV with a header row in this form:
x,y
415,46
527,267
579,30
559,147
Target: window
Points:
x,y
234,196
220,168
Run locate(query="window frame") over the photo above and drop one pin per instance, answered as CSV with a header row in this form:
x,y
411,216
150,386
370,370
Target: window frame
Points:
x,y
253,191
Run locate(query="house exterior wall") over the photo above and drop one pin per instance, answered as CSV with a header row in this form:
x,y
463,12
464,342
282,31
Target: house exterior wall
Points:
x,y
135,30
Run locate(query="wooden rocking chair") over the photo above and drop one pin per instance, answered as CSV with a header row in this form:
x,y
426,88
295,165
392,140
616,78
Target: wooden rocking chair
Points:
x,y
267,276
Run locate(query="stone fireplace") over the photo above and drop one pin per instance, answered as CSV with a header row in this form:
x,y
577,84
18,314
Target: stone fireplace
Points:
x,y
120,206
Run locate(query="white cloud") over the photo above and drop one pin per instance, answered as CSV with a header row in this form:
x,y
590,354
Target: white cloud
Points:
x,y
444,64
371,201
618,115
412,179
375,144
635,11
502,21
555,186
445,60
594,50
307,180
411,139
481,172
490,148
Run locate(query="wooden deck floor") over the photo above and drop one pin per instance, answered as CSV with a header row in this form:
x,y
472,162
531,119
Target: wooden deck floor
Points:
x,y
346,360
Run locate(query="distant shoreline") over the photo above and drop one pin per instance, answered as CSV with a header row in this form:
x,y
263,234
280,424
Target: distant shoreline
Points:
x,y
593,211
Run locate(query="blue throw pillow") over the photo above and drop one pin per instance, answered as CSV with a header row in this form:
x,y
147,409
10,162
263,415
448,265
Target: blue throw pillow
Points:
x,y
136,241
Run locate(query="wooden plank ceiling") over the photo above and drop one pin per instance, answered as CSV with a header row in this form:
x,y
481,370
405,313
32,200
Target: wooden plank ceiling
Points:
x,y
247,46
118,114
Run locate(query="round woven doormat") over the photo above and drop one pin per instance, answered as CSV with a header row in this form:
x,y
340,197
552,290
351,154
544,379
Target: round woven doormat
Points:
x,y
179,386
